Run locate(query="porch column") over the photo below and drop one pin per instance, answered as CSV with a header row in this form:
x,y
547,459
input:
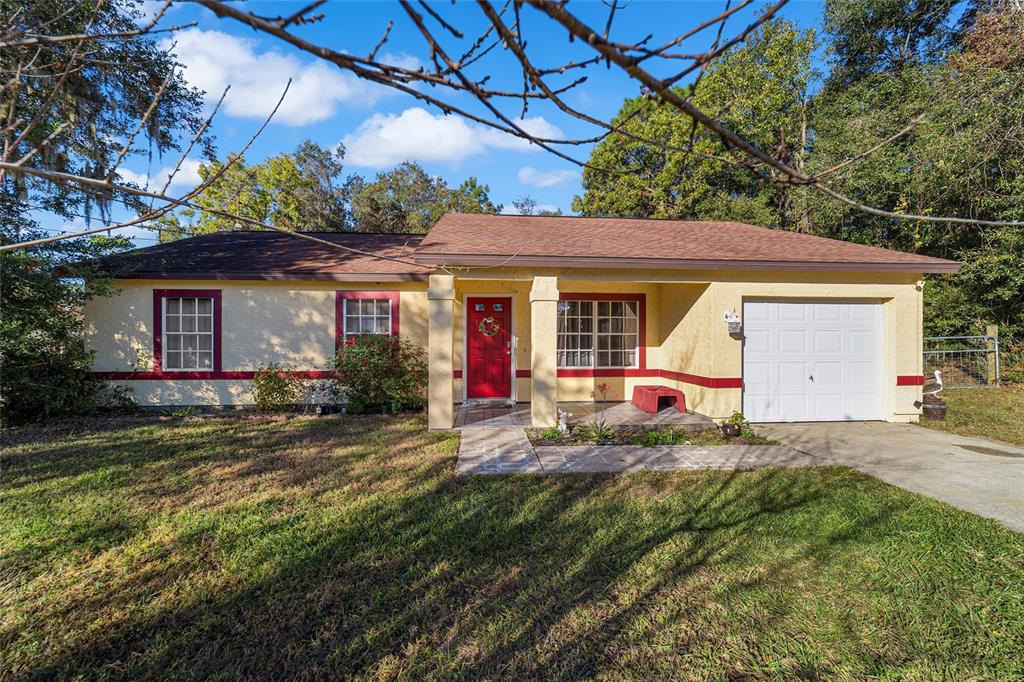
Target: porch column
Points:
x,y
543,347
441,307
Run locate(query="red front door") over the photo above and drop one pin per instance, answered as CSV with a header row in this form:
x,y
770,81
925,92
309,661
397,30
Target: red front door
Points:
x,y
488,347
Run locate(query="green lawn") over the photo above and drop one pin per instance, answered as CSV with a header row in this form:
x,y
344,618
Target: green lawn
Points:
x,y
249,548
988,412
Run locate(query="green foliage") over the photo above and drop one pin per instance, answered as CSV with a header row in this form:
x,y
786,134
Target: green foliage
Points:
x,y
408,199
275,389
657,437
99,103
760,90
44,365
298,191
957,65
45,368
1012,375
869,37
551,433
376,373
598,431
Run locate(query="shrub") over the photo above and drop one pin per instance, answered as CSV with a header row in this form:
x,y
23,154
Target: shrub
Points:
x,y
599,431
376,373
661,437
275,388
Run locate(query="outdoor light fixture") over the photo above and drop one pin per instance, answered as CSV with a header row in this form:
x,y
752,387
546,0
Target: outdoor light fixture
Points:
x,y
732,320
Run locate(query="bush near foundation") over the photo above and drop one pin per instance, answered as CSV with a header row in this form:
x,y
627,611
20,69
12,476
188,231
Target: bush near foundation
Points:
x,y
275,389
376,373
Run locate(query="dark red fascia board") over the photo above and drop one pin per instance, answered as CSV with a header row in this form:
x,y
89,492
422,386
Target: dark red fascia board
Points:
x,y
275,276
932,266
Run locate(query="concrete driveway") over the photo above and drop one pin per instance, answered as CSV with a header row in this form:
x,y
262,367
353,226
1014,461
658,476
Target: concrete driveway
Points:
x,y
978,475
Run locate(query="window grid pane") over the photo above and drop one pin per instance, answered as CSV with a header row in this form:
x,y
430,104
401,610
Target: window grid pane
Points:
x,y
601,335
367,316
188,333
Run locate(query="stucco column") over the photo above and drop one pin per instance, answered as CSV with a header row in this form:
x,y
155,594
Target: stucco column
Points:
x,y
543,347
440,399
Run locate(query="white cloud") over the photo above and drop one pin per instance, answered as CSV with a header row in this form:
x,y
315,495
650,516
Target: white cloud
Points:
x,y
213,60
537,126
186,178
528,175
417,135
403,60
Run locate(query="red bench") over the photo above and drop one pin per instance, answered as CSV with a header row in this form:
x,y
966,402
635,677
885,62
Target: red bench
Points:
x,y
647,398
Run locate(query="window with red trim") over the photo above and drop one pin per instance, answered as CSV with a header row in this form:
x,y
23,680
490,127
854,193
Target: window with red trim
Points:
x,y
186,330
366,312
598,334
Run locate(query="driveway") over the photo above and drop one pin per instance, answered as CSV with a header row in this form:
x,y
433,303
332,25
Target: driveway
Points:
x,y
977,475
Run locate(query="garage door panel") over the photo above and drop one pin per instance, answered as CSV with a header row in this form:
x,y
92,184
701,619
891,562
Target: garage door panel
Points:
x,y
786,343
827,372
792,312
828,406
862,313
792,374
792,341
793,406
758,373
862,374
827,341
862,341
826,313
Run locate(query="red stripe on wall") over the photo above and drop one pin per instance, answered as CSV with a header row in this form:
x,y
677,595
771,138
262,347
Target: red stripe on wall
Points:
x,y
228,375
706,382
696,379
910,380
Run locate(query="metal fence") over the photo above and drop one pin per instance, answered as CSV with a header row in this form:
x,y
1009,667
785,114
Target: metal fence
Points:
x,y
965,361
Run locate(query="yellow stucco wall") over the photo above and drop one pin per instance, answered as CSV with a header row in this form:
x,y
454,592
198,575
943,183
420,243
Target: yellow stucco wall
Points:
x,y
290,323
686,331
293,323
700,340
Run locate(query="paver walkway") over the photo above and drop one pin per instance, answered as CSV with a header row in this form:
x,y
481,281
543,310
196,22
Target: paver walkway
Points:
x,y
506,451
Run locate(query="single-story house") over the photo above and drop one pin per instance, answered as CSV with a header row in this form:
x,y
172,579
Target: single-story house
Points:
x,y
778,325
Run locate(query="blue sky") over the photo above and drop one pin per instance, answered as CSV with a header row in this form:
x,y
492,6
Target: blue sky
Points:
x,y
380,127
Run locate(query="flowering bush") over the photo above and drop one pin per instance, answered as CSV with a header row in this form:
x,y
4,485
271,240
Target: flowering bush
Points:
x,y
376,373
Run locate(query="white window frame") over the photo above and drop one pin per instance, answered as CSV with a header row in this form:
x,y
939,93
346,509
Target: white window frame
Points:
x,y
165,333
346,335
595,334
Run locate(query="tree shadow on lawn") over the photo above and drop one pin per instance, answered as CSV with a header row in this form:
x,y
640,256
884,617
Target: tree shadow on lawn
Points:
x,y
373,558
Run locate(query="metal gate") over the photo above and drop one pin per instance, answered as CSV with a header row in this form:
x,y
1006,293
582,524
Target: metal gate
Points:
x,y
965,361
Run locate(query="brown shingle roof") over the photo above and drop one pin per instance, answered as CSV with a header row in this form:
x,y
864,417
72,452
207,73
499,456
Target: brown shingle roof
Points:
x,y
463,239
272,255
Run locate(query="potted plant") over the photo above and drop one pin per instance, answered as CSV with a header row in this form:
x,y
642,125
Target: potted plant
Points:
x,y
734,425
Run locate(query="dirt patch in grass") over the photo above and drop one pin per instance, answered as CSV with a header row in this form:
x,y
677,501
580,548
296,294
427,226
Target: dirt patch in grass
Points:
x,y
348,547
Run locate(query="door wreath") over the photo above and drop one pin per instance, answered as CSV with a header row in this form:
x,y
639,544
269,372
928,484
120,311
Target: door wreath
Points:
x,y
489,326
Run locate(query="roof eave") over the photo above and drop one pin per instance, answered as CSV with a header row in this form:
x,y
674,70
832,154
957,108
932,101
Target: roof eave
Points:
x,y
460,259
278,276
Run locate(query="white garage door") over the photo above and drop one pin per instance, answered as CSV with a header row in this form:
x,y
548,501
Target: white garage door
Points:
x,y
812,361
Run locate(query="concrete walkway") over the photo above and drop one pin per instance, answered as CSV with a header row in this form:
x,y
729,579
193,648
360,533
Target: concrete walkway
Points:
x,y
506,451
974,474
